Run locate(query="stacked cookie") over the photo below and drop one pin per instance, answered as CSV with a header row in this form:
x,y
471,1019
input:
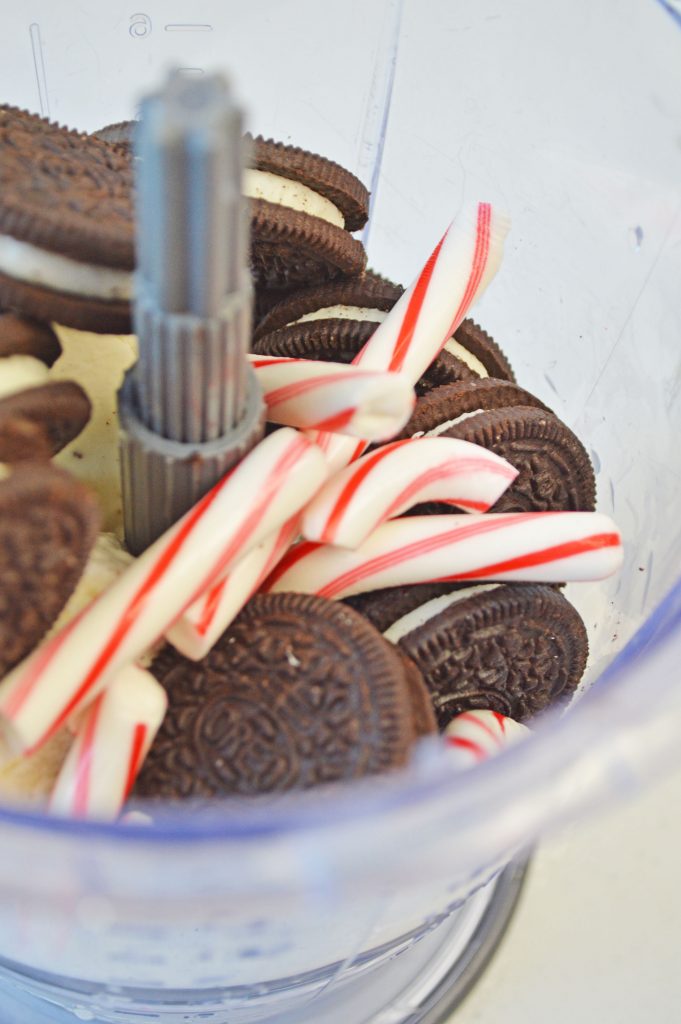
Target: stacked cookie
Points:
x,y
297,690
38,416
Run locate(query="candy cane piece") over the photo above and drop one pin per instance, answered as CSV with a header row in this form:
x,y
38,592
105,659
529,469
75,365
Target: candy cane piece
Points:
x,y
410,337
539,547
113,739
427,314
311,394
476,735
66,672
208,617
386,482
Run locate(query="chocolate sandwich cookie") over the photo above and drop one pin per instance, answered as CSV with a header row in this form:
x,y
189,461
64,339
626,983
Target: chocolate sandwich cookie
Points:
x,y
340,342
385,606
423,715
351,310
335,321
36,423
120,134
479,351
263,301
554,470
298,691
48,524
303,208
21,336
513,648
66,225
364,299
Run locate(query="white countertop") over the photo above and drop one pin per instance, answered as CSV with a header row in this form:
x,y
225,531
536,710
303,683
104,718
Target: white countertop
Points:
x,y
596,936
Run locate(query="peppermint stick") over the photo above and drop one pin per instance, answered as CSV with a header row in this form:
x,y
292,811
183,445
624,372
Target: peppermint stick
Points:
x,y
388,481
476,735
427,314
539,547
208,617
114,736
408,340
311,394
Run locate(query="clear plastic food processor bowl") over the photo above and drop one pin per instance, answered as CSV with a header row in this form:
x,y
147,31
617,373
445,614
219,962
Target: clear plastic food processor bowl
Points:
x,y
567,115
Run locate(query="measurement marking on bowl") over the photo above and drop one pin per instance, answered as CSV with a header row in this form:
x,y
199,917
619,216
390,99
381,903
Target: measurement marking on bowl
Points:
x,y
192,71
187,27
140,25
39,65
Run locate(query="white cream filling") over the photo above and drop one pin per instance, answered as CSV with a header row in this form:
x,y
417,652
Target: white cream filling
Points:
x,y
20,372
34,265
360,313
441,427
419,616
98,363
284,192
471,361
364,313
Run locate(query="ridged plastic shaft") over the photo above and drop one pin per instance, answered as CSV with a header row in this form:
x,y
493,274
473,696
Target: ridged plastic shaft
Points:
x,y
192,385
167,477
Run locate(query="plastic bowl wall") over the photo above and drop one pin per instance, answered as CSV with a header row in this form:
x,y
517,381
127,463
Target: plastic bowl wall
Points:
x,y
569,120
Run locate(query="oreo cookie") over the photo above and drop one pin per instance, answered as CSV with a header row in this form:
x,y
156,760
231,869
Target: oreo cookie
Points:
x,y
36,423
303,210
385,606
48,524
22,336
423,716
513,648
298,692
335,321
66,225
263,301
361,299
554,469
120,134
479,351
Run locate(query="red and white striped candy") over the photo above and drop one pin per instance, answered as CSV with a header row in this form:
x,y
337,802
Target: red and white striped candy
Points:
x,y
198,628
311,394
427,314
113,739
477,735
408,340
386,482
67,671
539,547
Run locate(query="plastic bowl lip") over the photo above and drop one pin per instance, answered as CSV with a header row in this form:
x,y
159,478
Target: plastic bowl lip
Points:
x,y
558,742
